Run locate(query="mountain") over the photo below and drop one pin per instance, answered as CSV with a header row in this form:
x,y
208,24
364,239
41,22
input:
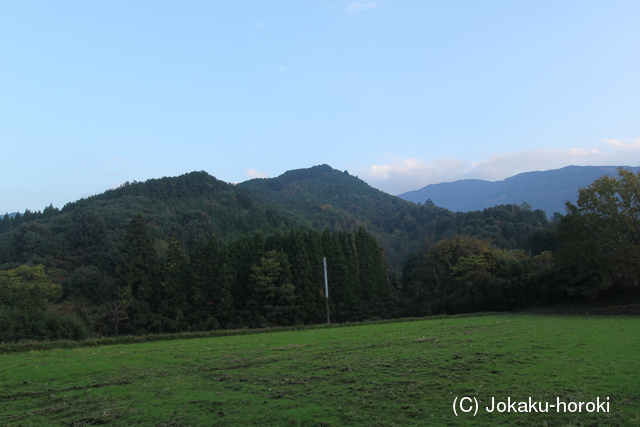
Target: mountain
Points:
x,y
545,190
196,205
325,197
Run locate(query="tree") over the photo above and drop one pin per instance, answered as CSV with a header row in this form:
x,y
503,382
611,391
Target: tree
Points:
x,y
6,224
27,288
374,285
273,298
25,296
138,291
89,283
313,244
305,277
177,293
138,262
213,284
87,232
600,237
452,276
343,275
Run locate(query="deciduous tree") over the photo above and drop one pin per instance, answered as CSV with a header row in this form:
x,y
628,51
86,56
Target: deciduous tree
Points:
x,y
600,237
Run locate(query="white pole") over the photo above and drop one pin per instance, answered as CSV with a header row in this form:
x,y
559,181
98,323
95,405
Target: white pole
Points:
x,y
326,289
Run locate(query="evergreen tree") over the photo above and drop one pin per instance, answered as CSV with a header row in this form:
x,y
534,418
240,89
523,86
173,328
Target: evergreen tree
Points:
x,y
242,255
203,263
222,303
355,303
138,262
306,285
214,283
374,286
6,224
178,293
138,289
87,232
343,306
50,211
313,243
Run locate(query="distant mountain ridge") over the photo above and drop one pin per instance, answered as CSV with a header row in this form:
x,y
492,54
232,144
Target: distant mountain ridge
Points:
x,y
546,190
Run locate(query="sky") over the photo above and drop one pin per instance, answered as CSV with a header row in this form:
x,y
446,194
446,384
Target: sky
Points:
x,y
401,93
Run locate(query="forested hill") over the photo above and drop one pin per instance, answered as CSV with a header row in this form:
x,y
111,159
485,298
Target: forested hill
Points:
x,y
318,197
326,197
196,205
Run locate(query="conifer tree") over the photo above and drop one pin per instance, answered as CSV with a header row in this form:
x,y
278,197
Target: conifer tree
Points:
x,y
214,282
340,302
50,211
177,296
354,301
373,273
138,290
204,264
313,243
138,262
303,280
6,223
244,253
223,304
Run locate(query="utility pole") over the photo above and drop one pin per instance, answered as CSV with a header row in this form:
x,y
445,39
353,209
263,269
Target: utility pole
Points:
x,y
326,289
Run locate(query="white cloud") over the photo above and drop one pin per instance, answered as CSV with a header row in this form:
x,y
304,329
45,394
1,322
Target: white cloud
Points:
x,y
500,166
362,6
256,174
625,144
396,175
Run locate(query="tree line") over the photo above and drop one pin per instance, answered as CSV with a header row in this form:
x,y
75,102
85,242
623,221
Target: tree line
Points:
x,y
254,281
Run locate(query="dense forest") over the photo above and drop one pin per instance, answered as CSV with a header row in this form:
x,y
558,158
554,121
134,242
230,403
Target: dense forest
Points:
x,y
195,253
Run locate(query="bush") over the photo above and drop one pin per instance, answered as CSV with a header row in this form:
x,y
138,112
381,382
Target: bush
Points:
x,y
18,325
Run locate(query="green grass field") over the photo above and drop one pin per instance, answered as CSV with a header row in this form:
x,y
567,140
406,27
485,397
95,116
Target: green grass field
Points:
x,y
386,374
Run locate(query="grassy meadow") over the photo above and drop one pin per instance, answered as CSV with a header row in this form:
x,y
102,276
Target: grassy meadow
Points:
x,y
382,374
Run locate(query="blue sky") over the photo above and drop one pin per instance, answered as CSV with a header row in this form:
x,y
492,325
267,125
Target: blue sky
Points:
x,y
400,93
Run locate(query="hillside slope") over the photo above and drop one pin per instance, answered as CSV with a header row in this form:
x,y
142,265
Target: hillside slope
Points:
x,y
325,196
